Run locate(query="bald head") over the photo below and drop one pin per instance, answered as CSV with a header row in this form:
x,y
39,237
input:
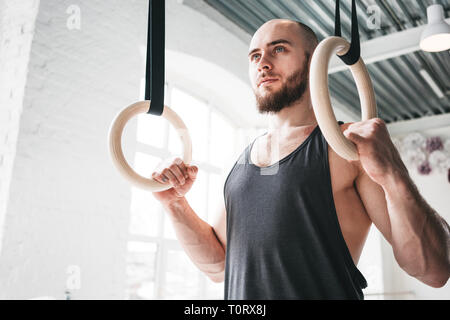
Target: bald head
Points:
x,y
305,35
309,36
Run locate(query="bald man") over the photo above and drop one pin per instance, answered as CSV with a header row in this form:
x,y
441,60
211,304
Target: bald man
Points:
x,y
295,215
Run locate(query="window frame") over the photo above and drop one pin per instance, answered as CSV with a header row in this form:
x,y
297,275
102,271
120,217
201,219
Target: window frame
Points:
x,y
164,244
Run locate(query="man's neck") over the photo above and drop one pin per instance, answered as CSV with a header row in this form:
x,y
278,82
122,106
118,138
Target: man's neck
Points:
x,y
298,117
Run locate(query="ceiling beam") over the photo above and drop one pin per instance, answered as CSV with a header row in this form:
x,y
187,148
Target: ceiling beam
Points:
x,y
421,124
385,47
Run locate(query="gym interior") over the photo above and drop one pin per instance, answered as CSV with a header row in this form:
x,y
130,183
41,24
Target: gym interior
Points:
x,y
72,228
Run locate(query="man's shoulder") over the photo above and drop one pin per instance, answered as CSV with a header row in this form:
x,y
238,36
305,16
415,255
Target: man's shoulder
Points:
x,y
342,171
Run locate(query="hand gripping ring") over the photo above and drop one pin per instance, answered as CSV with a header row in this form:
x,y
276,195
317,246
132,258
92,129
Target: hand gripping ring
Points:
x,y
115,144
320,96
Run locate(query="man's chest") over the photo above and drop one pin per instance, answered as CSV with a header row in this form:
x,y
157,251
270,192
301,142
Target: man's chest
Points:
x,y
353,219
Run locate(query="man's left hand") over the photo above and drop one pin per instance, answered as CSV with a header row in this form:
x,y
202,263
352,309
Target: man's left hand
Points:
x,y
377,154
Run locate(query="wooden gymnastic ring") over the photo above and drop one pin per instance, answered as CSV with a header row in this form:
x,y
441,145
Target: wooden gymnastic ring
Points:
x,y
320,96
115,144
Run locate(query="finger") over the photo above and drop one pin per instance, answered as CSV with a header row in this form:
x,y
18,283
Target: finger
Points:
x,y
161,178
352,136
193,170
355,126
183,168
177,172
172,178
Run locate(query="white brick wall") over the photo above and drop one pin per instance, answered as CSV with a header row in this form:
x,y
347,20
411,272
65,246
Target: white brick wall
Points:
x,y
16,33
68,206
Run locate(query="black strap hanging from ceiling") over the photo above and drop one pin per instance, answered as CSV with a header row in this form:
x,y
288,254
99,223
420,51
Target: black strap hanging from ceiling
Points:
x,y
154,72
353,54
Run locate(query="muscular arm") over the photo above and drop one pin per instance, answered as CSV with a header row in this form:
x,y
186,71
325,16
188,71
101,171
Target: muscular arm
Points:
x,y
199,240
420,237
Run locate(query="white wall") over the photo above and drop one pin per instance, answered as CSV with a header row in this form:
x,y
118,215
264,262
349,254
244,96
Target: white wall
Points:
x,y
16,33
67,206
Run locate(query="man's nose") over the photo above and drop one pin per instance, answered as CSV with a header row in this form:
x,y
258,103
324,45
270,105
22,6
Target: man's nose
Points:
x,y
264,64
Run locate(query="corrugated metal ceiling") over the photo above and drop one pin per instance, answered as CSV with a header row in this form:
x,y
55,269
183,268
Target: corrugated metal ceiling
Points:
x,y
401,92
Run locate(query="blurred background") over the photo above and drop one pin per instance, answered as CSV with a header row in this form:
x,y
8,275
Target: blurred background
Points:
x,y
72,228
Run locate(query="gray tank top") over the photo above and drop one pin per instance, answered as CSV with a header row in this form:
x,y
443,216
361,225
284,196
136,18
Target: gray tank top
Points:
x,y
283,235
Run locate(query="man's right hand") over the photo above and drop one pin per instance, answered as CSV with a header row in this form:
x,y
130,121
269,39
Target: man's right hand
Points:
x,y
179,175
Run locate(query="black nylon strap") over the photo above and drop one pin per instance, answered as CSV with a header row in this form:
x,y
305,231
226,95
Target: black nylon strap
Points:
x,y
154,71
337,20
353,54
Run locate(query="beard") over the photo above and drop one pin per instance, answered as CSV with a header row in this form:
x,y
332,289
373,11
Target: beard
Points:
x,y
292,91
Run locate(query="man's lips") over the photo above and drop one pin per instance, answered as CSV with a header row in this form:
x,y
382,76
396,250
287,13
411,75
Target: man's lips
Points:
x,y
268,81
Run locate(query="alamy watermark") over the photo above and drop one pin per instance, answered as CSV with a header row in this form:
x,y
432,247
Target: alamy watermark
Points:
x,y
74,19
73,281
374,17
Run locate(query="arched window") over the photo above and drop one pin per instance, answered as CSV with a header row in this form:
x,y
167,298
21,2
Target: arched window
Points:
x,y
157,266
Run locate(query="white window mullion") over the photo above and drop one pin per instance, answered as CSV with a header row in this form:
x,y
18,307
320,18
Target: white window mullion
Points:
x,y
162,248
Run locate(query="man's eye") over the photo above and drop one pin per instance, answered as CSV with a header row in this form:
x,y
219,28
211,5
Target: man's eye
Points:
x,y
253,57
279,48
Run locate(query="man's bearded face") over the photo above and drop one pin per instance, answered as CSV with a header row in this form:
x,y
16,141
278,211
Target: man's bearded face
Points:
x,y
291,91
